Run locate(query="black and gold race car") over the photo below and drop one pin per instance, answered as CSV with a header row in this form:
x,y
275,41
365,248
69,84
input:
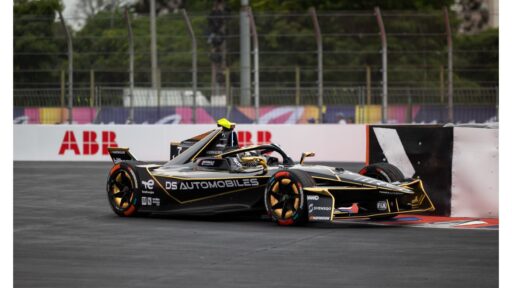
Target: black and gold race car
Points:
x,y
210,174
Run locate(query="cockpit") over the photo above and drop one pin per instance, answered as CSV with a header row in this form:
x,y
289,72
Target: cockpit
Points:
x,y
244,160
218,150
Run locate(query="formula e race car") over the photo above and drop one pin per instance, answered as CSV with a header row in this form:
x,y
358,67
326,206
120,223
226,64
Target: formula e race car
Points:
x,y
210,174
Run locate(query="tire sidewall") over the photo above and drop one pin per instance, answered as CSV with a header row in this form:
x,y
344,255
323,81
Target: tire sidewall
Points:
x,y
135,201
301,214
384,171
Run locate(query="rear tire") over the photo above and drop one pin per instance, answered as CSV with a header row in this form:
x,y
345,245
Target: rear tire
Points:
x,y
384,172
122,190
285,199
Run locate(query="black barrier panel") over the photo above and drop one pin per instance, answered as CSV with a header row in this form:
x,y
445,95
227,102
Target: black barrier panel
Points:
x,y
429,148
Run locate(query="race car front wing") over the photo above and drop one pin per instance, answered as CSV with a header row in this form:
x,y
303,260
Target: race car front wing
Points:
x,y
327,203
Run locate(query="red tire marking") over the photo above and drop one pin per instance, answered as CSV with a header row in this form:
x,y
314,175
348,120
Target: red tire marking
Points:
x,y
282,174
285,222
116,167
129,211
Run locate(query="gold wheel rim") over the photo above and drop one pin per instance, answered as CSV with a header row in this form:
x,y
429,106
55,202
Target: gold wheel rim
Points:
x,y
121,192
284,196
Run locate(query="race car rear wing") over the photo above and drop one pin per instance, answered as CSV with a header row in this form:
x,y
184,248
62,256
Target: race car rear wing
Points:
x,y
119,154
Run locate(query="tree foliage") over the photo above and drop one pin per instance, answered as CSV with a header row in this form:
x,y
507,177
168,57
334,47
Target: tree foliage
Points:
x,y
417,45
34,46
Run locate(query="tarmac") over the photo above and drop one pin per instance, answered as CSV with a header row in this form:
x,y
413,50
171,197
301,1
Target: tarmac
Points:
x,y
66,235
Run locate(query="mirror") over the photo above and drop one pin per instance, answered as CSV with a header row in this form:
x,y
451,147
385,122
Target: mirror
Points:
x,y
305,155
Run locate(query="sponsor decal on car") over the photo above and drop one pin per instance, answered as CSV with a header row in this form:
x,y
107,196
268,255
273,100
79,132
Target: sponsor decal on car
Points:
x,y
319,207
322,208
211,184
148,184
319,218
382,206
150,201
207,163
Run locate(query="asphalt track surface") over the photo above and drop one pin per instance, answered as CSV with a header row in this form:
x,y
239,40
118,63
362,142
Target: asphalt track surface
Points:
x,y
65,235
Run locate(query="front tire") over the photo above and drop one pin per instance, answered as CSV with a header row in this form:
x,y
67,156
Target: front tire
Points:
x,y
122,190
384,172
285,199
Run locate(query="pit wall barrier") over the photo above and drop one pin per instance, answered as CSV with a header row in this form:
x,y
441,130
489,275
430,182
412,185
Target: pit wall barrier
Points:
x,y
331,142
458,165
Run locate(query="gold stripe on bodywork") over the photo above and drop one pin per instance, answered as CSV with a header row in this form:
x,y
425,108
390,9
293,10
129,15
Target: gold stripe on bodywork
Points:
x,y
355,183
423,193
206,145
201,179
348,188
385,214
206,197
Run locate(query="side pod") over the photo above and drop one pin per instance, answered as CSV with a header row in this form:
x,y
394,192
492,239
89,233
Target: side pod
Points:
x,y
119,154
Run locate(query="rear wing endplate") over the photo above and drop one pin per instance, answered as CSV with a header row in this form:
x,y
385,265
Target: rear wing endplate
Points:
x,y
119,154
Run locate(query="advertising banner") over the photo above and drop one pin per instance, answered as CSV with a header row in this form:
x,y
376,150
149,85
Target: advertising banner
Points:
x,y
331,142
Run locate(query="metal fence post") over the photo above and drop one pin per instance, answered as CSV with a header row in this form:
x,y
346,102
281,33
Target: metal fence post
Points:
x,y
62,94
158,92
384,65
360,96
154,61
409,106
70,68
254,33
194,62
297,85
441,83
229,98
245,55
366,108
497,89
450,64
98,103
318,36
91,92
91,88
131,52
